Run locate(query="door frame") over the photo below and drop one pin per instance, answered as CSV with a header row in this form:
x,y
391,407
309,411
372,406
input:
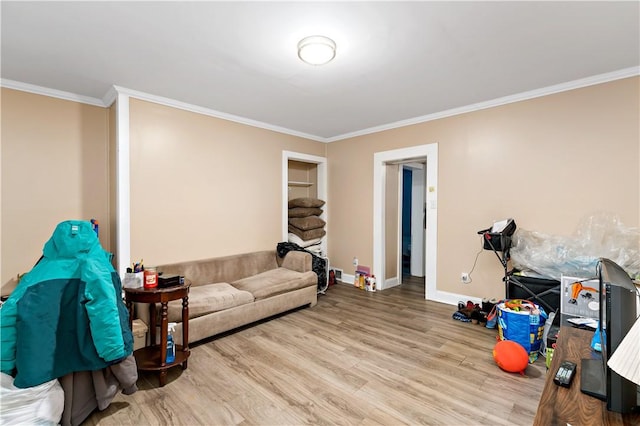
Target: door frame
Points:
x,y
430,151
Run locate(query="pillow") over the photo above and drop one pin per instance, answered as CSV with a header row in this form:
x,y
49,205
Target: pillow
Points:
x,y
305,202
293,238
308,235
307,223
511,356
304,212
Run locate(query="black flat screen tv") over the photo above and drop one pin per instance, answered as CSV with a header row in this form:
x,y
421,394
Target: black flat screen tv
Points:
x,y
618,311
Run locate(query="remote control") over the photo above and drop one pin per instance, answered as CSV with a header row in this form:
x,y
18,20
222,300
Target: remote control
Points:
x,y
565,374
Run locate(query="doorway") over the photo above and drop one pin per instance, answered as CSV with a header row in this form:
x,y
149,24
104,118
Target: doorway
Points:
x,y
428,153
413,221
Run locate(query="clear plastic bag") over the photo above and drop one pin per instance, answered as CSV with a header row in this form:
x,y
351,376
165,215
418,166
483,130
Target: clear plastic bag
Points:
x,y
598,235
37,405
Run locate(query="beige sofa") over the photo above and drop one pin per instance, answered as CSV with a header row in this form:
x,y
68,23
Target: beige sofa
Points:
x,y
232,291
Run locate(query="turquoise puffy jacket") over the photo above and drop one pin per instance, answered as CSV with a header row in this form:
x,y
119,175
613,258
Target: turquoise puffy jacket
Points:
x,y
67,313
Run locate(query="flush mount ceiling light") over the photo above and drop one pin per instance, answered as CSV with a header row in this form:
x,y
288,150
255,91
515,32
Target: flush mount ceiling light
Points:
x,y
316,50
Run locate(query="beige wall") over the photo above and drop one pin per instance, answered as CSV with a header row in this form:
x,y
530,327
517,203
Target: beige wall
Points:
x,y
54,168
204,187
546,162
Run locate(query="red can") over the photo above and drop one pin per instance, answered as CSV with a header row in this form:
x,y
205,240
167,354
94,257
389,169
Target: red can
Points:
x,y
150,278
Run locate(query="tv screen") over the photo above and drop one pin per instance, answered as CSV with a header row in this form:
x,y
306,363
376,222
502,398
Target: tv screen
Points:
x,y
617,315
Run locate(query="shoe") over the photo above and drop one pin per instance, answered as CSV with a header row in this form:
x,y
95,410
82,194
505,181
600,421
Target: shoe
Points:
x,y
476,315
461,305
467,312
487,306
470,304
460,317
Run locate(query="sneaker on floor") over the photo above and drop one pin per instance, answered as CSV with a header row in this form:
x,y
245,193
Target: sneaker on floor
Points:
x,y
460,317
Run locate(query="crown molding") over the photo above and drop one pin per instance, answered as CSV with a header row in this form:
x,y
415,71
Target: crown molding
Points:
x,y
110,97
113,91
212,113
549,90
39,90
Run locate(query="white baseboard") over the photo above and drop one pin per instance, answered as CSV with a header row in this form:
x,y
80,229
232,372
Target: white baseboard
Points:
x,y
347,278
391,282
452,298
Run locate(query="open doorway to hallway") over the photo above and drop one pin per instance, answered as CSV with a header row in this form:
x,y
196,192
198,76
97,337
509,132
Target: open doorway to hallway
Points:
x,y
386,236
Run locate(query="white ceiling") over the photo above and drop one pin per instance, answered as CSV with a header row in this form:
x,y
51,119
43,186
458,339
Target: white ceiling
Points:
x,y
396,62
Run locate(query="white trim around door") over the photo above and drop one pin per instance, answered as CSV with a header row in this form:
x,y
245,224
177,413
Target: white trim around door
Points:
x,y
380,159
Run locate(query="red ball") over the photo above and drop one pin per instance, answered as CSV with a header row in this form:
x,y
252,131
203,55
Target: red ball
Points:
x,y
511,356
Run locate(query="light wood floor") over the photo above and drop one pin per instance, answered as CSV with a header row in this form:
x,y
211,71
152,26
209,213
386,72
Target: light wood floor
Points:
x,y
357,358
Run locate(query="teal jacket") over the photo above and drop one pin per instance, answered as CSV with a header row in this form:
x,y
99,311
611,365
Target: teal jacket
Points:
x,y
67,313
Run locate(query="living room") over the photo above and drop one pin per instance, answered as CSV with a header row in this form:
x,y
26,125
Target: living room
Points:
x,y
202,186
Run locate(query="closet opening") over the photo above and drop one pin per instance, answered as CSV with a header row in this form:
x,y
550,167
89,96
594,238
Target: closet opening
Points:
x,y
304,176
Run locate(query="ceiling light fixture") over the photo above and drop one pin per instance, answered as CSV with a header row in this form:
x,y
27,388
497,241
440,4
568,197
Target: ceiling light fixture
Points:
x,y
316,50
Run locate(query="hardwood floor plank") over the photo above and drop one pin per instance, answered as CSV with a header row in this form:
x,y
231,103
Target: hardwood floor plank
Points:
x,y
356,358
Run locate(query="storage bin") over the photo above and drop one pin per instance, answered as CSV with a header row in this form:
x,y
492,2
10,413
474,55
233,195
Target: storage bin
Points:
x,y
139,330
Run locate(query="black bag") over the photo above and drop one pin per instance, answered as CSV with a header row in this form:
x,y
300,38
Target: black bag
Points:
x,y
318,264
498,241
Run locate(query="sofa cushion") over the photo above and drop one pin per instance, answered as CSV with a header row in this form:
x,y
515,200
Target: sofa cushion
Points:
x,y
275,281
208,298
222,269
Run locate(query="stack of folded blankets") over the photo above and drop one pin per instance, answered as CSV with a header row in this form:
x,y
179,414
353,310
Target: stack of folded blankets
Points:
x,y
306,229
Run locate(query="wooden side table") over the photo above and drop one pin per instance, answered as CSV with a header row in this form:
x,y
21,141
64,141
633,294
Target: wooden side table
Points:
x,y
152,357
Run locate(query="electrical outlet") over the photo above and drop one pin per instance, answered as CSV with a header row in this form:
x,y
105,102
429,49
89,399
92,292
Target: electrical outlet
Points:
x,y
355,262
465,278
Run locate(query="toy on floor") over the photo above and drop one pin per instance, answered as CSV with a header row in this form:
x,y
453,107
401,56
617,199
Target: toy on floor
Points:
x,y
511,356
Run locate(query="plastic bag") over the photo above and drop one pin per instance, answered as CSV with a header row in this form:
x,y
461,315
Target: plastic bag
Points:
x,y
598,235
37,405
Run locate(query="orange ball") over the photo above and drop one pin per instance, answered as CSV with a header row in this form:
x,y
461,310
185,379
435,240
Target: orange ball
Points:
x,y
511,356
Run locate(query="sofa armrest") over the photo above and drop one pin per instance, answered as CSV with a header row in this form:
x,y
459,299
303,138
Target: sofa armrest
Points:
x,y
299,261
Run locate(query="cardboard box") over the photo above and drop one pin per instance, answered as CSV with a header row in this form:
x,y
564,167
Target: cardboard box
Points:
x,y
583,303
